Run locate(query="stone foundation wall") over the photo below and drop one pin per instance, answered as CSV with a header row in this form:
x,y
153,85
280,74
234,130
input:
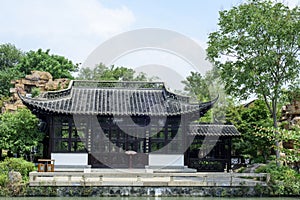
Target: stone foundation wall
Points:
x,y
116,191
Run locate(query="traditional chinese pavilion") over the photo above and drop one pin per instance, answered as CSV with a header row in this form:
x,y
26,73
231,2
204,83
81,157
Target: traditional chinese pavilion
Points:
x,y
129,125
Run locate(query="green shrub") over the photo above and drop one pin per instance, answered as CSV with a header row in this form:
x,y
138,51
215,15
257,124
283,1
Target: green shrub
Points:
x,y
18,165
35,92
3,180
284,180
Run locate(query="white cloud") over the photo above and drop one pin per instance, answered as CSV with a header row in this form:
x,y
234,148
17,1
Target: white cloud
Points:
x,y
70,27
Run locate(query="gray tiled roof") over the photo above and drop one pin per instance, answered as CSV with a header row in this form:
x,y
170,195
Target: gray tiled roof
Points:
x,y
213,130
116,98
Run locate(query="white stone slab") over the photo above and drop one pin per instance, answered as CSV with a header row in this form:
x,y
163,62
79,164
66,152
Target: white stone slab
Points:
x,y
166,160
68,159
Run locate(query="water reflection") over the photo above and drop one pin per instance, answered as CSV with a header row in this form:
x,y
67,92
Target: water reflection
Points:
x,y
139,198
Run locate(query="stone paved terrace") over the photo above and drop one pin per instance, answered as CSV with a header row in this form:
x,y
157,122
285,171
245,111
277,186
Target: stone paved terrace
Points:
x,y
143,178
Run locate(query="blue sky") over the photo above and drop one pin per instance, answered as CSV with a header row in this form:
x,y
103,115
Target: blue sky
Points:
x,y
74,28
194,18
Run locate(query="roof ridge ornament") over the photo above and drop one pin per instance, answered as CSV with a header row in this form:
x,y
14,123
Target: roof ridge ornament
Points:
x,y
119,84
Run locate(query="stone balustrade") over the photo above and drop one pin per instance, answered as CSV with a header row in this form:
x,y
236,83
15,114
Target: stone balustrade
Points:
x,y
146,179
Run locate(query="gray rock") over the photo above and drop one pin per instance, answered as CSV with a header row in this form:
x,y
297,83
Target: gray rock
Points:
x,y
14,177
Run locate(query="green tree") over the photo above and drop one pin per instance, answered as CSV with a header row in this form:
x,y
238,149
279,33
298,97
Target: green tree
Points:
x,y
247,120
102,72
10,56
6,76
291,139
196,86
291,93
256,50
57,66
19,131
205,88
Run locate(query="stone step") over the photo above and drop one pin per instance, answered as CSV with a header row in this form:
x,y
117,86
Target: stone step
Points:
x,y
170,169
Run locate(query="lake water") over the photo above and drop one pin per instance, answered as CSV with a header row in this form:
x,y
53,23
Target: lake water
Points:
x,y
139,198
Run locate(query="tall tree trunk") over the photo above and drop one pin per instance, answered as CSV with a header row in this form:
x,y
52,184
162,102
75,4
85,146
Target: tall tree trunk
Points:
x,y
273,110
277,143
275,124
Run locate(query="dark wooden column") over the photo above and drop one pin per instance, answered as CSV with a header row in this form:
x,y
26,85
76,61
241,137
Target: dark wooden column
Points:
x,y
48,140
70,133
185,139
229,143
166,127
